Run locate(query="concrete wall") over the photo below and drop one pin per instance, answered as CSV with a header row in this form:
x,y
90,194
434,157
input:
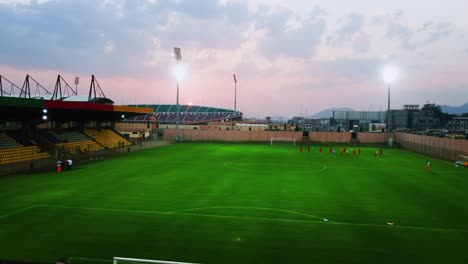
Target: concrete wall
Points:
x,y
344,137
372,137
234,135
443,148
229,135
330,136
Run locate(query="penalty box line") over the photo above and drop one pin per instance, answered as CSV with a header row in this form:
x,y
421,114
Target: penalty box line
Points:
x,y
18,211
241,217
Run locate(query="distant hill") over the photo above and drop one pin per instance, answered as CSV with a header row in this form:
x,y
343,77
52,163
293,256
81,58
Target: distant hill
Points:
x,y
280,118
455,110
329,112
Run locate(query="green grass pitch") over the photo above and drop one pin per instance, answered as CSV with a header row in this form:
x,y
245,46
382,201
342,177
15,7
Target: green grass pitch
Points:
x,y
237,203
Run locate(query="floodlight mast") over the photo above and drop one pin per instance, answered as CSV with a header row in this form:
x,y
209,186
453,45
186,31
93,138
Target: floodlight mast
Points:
x,y
178,57
390,74
235,92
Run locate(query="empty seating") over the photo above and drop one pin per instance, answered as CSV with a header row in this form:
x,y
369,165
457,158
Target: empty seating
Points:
x,y
70,136
18,154
8,142
107,138
79,146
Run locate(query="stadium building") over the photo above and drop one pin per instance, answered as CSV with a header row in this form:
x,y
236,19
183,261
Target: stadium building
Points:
x,y
166,115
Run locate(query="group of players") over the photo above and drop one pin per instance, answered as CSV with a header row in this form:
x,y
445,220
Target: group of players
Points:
x,y
377,153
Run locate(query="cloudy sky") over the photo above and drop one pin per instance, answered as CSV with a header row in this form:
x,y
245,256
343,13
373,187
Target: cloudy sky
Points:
x,y
287,55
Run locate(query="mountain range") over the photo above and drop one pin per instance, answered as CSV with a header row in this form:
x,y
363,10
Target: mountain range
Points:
x,y
455,110
328,113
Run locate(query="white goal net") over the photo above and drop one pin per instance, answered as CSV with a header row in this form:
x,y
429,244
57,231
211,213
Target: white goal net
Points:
x,y
282,141
120,260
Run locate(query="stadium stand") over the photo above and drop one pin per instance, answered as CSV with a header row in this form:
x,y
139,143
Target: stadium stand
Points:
x,y
8,142
18,154
79,146
107,137
73,142
188,114
71,136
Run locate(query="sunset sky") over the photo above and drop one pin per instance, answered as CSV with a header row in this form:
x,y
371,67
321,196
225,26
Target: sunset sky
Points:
x,y
287,55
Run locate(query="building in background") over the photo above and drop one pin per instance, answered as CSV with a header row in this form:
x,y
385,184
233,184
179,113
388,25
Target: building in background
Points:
x,y
361,120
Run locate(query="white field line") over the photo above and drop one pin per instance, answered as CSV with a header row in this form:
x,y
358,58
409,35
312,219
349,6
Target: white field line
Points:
x,y
261,218
250,218
181,213
70,260
135,260
245,207
19,211
403,227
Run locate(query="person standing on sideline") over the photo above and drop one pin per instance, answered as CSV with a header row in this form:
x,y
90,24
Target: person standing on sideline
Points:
x,y
428,166
69,164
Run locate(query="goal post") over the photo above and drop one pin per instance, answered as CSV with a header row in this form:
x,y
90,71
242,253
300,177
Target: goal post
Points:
x,y
274,140
121,260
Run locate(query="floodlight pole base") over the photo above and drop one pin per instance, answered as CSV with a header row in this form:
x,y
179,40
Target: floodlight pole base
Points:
x,y
390,142
177,108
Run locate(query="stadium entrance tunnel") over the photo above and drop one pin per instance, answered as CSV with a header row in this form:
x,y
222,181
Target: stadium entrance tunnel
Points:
x,y
302,168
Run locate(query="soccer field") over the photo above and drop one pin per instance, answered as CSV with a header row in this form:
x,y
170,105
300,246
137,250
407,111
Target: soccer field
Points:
x,y
236,203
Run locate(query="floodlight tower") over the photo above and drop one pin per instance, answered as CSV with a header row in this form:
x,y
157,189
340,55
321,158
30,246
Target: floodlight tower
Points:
x,y
235,92
178,76
390,74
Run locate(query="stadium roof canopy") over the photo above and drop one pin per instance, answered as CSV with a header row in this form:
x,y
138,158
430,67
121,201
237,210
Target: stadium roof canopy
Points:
x,y
188,114
172,108
26,109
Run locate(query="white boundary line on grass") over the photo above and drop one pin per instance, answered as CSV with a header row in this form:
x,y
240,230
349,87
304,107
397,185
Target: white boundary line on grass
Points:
x,y
245,207
256,218
70,260
181,212
18,211
403,227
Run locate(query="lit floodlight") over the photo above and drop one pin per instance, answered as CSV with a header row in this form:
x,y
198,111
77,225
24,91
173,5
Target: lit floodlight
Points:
x,y
390,73
44,117
123,116
44,111
179,72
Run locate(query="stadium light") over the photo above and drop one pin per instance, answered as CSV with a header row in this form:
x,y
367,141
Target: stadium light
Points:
x,y
390,74
235,92
179,72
